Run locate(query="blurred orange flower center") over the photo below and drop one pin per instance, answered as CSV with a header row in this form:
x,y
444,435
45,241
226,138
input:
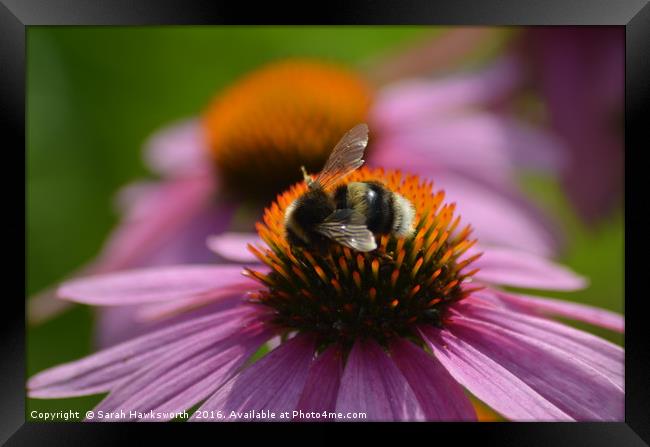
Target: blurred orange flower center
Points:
x,y
265,126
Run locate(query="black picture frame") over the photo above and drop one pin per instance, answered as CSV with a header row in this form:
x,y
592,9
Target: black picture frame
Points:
x,y
17,15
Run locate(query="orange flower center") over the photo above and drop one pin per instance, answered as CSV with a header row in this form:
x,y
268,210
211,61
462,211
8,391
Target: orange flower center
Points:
x,y
344,294
265,126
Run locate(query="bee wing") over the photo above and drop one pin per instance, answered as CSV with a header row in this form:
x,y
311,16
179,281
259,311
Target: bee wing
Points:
x,y
345,157
347,228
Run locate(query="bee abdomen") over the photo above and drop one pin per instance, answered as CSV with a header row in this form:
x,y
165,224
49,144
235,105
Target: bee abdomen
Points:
x,y
370,199
381,212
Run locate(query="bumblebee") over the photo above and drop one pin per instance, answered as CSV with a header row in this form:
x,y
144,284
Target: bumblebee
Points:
x,y
349,214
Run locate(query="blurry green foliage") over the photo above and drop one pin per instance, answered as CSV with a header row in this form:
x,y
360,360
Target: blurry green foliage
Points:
x,y
96,93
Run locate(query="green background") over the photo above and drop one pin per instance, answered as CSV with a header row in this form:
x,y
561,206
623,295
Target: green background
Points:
x,y
96,93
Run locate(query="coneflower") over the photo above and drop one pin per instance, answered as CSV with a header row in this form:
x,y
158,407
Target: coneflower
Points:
x,y
400,333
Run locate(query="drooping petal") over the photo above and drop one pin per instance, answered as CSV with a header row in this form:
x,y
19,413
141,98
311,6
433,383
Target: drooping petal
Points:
x,y
575,386
479,144
372,384
44,306
274,383
601,354
499,215
115,324
446,145
155,285
160,214
178,149
160,311
137,199
99,372
440,396
322,386
185,375
410,102
503,266
489,381
206,386
233,246
188,244
560,308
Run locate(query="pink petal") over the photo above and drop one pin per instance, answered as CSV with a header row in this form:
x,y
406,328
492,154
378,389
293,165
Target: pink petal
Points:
x,y
602,355
183,376
489,381
372,384
233,246
178,150
480,144
115,324
159,216
322,386
531,147
440,396
99,372
137,200
160,311
45,306
451,143
274,383
199,390
503,266
417,100
499,215
188,244
559,308
154,285
577,388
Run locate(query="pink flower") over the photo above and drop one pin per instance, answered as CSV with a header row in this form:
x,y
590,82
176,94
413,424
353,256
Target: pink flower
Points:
x,y
393,334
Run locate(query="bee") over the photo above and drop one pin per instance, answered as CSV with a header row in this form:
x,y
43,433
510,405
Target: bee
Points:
x,y
350,214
